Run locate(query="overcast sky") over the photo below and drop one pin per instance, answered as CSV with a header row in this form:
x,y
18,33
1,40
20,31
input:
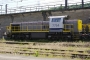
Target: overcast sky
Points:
x,y
15,3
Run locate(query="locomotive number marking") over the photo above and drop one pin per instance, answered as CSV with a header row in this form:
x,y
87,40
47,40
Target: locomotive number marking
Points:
x,y
55,25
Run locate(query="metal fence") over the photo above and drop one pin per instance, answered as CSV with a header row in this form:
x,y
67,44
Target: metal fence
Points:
x,y
47,7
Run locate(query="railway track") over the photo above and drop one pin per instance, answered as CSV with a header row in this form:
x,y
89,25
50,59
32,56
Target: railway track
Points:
x,y
72,50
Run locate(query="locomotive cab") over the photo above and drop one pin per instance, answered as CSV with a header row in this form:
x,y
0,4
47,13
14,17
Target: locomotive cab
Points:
x,y
57,27
56,23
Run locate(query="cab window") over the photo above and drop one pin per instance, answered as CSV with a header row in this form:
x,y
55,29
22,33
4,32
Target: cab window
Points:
x,y
56,19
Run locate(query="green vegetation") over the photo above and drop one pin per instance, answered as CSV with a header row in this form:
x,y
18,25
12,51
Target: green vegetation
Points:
x,y
57,8
70,6
36,53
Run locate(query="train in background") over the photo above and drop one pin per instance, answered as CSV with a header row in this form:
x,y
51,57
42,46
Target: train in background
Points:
x,y
57,27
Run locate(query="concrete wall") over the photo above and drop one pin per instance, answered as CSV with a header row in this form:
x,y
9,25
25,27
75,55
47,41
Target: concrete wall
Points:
x,y
5,20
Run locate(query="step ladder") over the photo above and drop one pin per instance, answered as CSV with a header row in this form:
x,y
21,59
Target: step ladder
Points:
x,y
76,36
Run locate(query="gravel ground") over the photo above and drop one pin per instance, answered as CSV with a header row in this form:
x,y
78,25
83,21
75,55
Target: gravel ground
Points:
x,y
17,57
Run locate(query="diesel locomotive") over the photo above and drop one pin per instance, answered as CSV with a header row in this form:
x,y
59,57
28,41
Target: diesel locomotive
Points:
x,y
57,27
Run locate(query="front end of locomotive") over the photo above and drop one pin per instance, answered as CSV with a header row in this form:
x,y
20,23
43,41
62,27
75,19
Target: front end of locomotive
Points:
x,y
85,35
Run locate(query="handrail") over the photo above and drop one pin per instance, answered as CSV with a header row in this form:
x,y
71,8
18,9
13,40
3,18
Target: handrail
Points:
x,y
84,27
44,7
37,28
68,27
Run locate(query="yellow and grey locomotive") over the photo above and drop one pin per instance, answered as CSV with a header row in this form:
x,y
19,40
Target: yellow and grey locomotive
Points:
x,y
56,28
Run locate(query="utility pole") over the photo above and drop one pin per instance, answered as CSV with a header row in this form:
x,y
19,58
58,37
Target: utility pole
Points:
x,y
6,8
66,2
1,7
17,1
82,3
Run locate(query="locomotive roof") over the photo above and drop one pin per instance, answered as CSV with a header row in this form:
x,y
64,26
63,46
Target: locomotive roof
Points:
x,y
16,23
57,16
29,22
72,20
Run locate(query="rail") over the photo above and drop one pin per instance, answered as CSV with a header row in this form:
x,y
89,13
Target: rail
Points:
x,y
70,49
46,7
